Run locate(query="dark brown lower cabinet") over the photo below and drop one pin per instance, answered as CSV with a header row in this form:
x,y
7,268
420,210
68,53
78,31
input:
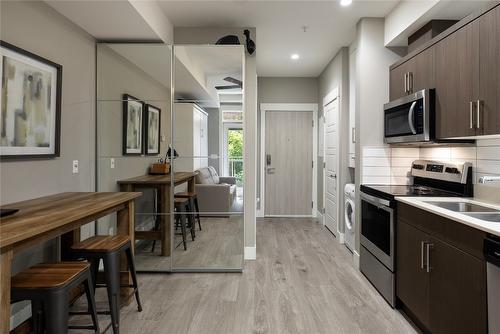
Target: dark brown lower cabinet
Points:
x,y
412,284
457,293
439,282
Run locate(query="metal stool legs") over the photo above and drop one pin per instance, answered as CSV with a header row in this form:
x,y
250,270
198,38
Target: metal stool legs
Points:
x,y
131,265
112,276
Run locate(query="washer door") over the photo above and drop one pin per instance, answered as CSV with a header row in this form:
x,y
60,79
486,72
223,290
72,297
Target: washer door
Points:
x,y
349,214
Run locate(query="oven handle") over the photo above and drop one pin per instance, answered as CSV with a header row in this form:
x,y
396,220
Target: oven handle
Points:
x,y
411,114
378,202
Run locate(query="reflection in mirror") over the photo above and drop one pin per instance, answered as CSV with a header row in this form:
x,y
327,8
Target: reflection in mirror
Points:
x,y
208,138
134,132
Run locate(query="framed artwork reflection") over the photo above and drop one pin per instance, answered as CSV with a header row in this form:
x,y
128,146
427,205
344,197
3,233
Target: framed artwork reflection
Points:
x,y
152,120
133,110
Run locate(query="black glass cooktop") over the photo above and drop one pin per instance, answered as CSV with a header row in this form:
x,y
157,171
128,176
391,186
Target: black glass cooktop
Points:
x,y
391,191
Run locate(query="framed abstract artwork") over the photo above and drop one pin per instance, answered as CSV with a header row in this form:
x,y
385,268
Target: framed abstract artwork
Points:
x,y
152,120
133,111
30,104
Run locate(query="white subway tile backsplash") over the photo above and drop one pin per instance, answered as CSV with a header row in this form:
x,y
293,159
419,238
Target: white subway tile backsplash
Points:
x,y
488,166
436,153
377,171
403,162
466,153
377,162
376,179
405,152
376,152
488,142
488,153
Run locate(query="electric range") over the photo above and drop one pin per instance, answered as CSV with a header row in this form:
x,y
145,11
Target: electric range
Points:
x,y
378,215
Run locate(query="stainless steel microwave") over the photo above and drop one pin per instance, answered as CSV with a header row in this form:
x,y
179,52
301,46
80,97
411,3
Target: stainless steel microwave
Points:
x,y
410,119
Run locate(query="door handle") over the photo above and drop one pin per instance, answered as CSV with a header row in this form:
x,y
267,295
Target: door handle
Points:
x,y
422,261
411,113
478,114
406,82
271,170
471,114
353,134
410,82
428,256
268,159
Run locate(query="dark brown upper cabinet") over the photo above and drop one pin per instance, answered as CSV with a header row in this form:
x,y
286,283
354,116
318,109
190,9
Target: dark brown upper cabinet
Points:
x,y
413,75
457,82
488,118
462,65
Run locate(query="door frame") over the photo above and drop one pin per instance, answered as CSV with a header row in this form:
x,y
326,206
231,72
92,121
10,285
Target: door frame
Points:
x,y
332,97
308,107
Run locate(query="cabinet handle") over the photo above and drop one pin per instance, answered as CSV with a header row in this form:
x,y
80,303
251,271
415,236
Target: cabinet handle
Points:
x,y
410,82
406,83
353,134
471,114
422,263
428,257
478,114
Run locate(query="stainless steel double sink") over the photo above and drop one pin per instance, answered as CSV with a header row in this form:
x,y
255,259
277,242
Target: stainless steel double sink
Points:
x,y
471,210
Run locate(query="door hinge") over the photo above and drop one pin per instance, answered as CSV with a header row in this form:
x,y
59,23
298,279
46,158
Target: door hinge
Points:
x,y
323,211
312,205
312,165
324,164
313,123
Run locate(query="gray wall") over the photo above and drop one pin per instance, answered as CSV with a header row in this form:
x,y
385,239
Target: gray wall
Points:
x,y
200,35
336,75
36,27
117,76
282,90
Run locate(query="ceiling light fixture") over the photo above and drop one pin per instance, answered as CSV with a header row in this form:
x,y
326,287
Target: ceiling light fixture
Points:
x,y
295,56
345,3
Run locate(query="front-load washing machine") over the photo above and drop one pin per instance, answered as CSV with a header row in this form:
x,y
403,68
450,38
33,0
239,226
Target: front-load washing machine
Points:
x,y
350,215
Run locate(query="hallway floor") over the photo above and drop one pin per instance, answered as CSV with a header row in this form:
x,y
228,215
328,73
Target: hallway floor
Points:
x,y
303,281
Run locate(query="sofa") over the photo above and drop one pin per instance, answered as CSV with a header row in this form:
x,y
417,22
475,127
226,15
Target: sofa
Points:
x,y
215,193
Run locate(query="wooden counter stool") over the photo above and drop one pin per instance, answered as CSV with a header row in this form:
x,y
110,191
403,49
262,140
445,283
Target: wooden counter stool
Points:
x,y
183,219
48,285
193,202
108,249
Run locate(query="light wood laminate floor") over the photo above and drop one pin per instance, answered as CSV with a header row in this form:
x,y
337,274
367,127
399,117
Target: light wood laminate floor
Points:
x,y
303,281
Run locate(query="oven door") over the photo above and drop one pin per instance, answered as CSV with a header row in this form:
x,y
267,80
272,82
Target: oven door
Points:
x,y
377,228
407,119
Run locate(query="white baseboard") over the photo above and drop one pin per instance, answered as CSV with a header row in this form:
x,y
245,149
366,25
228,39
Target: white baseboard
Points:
x,y
341,238
250,253
355,256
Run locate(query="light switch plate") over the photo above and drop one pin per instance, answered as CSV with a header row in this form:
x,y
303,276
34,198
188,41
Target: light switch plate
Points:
x,y
75,166
112,163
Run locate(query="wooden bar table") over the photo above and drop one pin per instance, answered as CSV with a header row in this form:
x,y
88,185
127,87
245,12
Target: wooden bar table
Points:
x,y
163,184
46,218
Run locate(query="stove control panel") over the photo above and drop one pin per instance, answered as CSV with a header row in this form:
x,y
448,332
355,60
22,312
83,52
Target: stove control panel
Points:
x,y
441,170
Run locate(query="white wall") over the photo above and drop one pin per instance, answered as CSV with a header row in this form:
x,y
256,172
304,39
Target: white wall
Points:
x,y
197,35
372,91
38,28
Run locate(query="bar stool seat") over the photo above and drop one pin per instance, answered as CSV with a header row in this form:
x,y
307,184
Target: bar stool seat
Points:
x,y
109,249
47,286
102,243
193,202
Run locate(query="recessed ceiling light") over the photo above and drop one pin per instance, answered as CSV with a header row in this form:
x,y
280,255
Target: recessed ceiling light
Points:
x,y
345,2
295,56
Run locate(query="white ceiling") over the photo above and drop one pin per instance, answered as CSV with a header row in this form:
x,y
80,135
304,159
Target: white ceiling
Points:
x,y
279,28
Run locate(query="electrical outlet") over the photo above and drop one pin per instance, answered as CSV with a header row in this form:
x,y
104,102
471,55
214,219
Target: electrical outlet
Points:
x,y
75,166
112,163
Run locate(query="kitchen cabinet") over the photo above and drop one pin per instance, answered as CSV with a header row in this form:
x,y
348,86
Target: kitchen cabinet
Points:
x,y
413,75
457,290
457,82
440,273
412,284
488,120
462,65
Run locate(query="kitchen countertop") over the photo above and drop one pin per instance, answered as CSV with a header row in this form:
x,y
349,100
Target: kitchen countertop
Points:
x,y
486,226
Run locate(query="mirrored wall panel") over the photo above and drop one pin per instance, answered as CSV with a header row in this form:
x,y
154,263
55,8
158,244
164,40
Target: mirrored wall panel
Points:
x,y
133,137
208,139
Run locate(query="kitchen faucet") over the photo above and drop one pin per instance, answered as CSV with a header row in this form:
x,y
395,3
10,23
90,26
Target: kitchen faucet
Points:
x,y
488,179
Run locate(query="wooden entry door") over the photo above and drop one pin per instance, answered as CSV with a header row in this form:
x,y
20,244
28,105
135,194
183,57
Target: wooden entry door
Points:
x,y
289,163
331,204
